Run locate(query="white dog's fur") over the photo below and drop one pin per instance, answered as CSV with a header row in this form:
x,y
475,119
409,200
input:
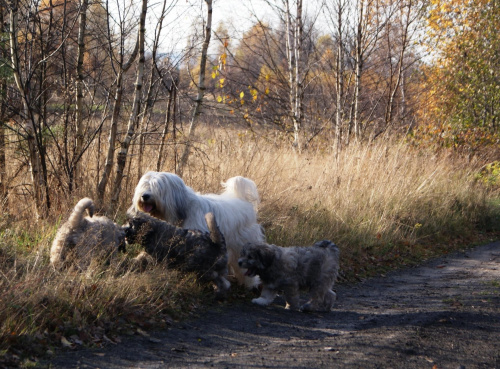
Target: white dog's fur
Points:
x,y
166,196
82,238
291,268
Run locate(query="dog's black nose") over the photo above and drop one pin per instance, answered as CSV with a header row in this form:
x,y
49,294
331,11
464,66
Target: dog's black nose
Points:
x,y
127,230
145,197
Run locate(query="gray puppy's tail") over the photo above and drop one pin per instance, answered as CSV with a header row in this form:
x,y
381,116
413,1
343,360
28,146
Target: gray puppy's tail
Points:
x,y
75,219
327,244
215,234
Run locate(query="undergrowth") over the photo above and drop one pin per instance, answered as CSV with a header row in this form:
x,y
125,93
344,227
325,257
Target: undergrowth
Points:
x,y
385,205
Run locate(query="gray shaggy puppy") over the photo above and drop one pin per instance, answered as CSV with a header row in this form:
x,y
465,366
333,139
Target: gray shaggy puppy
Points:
x,y
289,269
83,238
188,250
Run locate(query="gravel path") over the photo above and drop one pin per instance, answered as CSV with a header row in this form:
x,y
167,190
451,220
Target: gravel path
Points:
x,y
443,314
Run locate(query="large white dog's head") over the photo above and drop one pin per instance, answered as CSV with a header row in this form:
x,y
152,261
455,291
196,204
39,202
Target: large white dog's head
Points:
x,y
162,195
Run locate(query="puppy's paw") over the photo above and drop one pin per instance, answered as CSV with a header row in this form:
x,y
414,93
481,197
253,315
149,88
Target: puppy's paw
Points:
x,y
329,300
226,284
291,307
261,301
334,296
307,307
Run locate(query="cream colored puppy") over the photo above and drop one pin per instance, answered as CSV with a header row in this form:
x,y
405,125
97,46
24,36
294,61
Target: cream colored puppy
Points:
x,y
82,238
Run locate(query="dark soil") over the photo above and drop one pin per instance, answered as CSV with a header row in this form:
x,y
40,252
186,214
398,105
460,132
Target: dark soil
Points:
x,y
443,314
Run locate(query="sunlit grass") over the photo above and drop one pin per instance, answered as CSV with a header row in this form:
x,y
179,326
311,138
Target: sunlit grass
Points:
x,y
384,204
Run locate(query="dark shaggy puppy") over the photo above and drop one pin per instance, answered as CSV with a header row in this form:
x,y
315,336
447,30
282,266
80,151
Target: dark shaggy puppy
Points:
x,y
204,253
291,268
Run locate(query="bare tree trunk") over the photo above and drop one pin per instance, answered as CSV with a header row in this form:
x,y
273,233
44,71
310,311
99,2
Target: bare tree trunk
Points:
x,y
143,124
79,89
108,166
121,159
294,35
359,67
292,81
149,95
171,98
174,126
297,122
339,80
201,91
399,73
3,162
34,159
39,140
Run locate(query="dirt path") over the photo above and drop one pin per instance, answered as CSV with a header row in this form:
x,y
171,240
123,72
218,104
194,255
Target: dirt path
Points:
x,y
444,314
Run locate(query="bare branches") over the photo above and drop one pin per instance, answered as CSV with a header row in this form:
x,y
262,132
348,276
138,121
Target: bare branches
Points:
x,y
201,90
319,71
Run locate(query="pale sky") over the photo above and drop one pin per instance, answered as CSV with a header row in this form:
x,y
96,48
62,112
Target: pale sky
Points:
x,y
178,24
237,15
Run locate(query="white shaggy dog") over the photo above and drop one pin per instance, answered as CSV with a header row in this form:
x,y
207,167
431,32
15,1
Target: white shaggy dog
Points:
x,y
288,269
166,196
83,238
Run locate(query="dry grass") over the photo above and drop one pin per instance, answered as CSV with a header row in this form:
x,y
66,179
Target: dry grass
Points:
x,y
385,205
41,308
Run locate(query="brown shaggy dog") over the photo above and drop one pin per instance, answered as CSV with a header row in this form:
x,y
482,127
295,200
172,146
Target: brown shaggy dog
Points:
x,y
83,238
290,268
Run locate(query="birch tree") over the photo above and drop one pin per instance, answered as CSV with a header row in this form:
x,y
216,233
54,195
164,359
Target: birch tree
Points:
x,y
4,72
369,25
337,12
275,62
121,65
296,69
30,131
136,107
200,91
79,86
155,77
408,14
171,88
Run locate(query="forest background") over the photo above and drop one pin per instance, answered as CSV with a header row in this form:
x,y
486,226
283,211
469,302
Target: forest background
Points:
x,y
374,123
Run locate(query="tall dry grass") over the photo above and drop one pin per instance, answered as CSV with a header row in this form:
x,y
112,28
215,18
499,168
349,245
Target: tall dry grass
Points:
x,y
378,200
42,309
384,204
387,191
